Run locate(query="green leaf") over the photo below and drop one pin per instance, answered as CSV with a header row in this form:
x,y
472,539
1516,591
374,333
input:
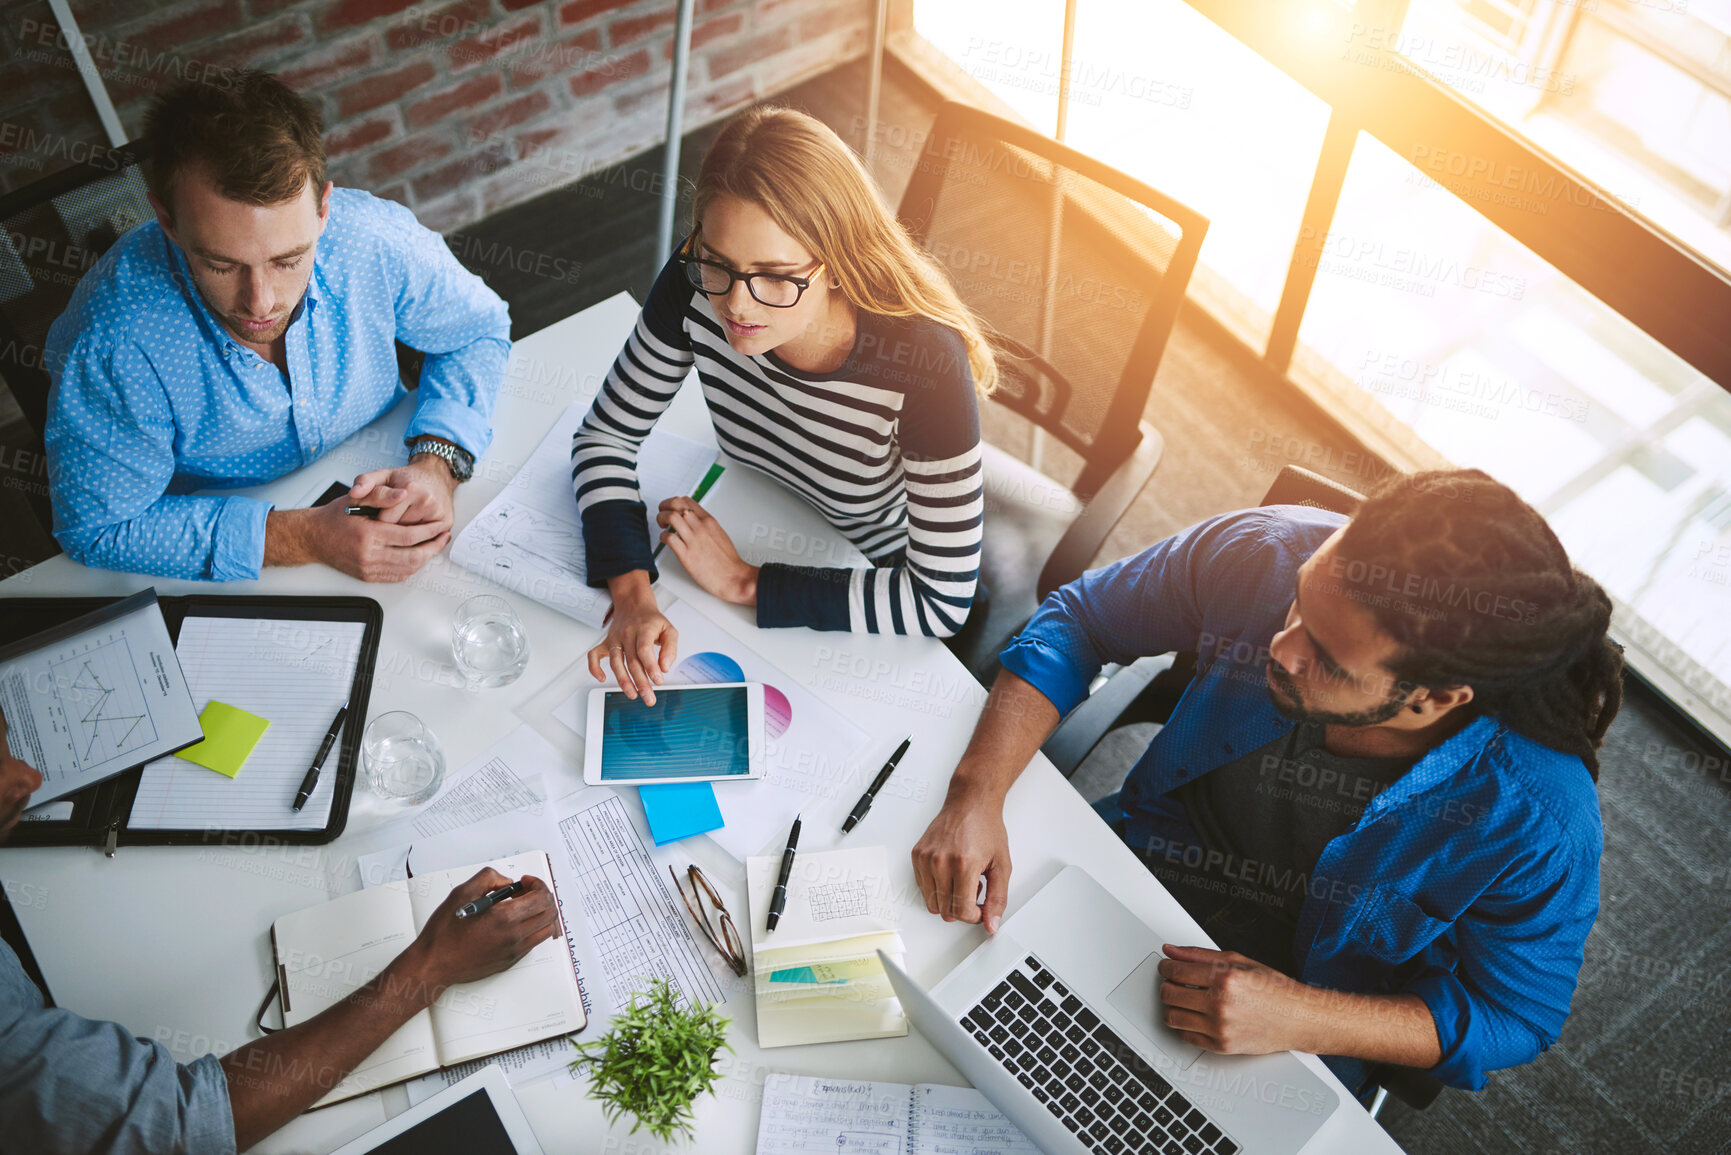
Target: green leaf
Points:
x,y
655,1061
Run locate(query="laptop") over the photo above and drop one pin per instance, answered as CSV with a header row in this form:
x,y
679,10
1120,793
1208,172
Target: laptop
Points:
x,y
1056,1019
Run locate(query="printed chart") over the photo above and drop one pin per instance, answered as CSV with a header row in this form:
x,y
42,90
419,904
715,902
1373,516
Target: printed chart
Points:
x,y
102,702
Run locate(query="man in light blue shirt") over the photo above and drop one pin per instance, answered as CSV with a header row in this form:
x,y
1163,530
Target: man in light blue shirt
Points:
x,y
1377,794
241,335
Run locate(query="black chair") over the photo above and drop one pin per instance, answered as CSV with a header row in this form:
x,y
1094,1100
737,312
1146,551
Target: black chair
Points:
x,y
51,232
1077,271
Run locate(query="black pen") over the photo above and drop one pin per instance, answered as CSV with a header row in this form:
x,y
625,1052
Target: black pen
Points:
x,y
368,511
865,800
485,902
311,781
778,902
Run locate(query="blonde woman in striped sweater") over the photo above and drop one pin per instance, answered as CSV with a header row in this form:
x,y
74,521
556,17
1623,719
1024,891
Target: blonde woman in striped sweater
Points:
x,y
836,357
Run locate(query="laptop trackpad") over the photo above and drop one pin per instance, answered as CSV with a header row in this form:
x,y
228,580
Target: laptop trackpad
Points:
x,y
1138,1000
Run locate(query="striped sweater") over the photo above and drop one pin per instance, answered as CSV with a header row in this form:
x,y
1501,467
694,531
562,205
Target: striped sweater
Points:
x,y
887,447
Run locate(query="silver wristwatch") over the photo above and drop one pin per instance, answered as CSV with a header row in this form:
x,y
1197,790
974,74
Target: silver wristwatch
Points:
x,y
461,461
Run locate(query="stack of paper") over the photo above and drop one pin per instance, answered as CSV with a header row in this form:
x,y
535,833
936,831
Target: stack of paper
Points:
x,y
818,976
529,538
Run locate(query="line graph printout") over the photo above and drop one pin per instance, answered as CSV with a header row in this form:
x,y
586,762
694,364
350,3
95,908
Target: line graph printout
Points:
x,y
96,696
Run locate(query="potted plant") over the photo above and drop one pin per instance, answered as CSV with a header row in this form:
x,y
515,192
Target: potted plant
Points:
x,y
655,1062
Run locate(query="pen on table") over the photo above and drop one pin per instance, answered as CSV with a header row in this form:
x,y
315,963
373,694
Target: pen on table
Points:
x,y
471,909
698,494
778,902
311,781
865,800
368,511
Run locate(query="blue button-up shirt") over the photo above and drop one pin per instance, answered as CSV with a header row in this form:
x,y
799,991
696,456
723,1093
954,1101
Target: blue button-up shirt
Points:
x,y
154,399
1471,882
69,1084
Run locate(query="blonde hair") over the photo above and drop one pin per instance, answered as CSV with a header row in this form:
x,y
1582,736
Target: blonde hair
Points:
x,y
811,184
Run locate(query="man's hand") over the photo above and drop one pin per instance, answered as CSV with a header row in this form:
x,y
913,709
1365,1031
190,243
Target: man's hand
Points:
x,y
706,552
966,839
374,551
273,1079
641,645
1222,1001
18,781
460,950
419,493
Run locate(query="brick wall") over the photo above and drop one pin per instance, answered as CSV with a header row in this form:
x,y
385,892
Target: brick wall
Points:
x,y
457,109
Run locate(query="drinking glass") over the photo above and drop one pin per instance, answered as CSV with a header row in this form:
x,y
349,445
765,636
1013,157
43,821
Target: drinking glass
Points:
x,y
488,641
402,758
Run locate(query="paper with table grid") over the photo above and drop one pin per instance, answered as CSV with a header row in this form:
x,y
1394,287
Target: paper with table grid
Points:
x,y
294,673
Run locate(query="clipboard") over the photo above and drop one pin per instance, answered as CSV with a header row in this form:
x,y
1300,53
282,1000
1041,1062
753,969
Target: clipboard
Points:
x,y
100,812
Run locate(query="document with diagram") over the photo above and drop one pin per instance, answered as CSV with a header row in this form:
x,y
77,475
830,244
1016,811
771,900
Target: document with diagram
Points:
x,y
100,694
529,538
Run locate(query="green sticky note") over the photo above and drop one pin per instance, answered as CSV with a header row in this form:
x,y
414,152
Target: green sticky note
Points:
x,y
229,736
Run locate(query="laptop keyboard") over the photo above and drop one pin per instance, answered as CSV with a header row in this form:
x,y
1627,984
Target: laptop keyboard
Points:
x,y
1087,1077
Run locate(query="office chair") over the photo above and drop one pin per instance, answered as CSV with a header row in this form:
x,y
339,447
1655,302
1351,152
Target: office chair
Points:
x,y
1077,272
51,232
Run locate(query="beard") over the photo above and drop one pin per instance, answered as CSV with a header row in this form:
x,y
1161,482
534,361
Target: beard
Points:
x,y
1287,698
239,331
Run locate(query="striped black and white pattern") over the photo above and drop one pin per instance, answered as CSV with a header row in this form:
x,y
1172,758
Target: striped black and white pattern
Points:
x,y
887,448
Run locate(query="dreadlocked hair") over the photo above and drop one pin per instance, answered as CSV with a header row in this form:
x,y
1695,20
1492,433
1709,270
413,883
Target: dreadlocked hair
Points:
x,y
1478,591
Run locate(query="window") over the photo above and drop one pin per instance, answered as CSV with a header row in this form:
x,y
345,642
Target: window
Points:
x,y
1490,358
1634,94
1155,89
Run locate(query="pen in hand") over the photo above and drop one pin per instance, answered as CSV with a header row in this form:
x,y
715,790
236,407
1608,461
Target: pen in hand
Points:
x,y
778,902
370,512
311,781
486,901
698,494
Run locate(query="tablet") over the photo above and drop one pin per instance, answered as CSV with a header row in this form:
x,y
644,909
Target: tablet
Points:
x,y
705,733
478,1116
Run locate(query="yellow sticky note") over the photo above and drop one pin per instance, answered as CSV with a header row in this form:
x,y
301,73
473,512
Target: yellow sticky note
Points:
x,y
229,736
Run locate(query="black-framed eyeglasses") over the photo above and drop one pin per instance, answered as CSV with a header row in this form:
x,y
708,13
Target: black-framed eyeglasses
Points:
x,y
777,290
726,938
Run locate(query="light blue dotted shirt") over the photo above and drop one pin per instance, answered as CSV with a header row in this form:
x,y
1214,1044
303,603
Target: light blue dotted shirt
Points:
x,y
153,399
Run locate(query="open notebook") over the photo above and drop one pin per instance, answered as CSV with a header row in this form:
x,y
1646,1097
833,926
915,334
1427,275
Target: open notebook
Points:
x,y
326,953
818,977
806,1116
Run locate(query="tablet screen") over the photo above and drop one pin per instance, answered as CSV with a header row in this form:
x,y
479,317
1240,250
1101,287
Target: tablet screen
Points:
x,y
687,733
469,1126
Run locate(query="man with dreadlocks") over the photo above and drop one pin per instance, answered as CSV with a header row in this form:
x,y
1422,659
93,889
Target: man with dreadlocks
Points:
x,y
1377,795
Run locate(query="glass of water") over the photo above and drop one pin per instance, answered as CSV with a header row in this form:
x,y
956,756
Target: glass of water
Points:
x,y
402,758
488,641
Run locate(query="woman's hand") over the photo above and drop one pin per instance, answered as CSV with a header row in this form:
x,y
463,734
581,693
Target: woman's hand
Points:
x,y
635,632
706,552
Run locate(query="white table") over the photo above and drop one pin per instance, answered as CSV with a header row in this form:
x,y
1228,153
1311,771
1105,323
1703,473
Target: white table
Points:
x,y
190,970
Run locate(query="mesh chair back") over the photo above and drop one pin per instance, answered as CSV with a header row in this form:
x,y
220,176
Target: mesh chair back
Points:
x,y
51,232
1076,269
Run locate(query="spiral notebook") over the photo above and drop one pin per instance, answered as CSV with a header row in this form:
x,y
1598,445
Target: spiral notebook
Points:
x,y
815,1116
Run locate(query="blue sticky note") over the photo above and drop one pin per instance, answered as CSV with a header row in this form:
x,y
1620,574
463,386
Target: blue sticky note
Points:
x,y
679,809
